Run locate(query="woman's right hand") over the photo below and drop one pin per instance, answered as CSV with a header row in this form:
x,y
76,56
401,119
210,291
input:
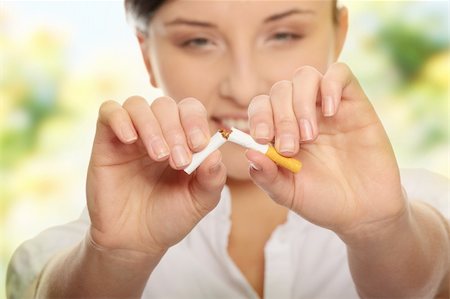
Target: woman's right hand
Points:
x,y
138,197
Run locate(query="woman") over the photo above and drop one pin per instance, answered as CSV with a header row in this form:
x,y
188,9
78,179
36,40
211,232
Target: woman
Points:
x,y
341,227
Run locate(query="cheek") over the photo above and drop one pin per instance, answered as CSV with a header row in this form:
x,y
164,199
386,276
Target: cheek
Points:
x,y
324,51
180,75
316,51
171,80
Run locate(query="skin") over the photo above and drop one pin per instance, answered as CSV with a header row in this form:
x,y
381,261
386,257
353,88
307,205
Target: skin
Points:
x,y
272,66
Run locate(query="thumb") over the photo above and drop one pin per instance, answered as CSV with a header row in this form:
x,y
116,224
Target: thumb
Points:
x,y
277,182
207,183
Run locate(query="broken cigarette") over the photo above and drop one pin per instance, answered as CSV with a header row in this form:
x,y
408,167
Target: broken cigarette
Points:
x,y
236,136
245,140
216,141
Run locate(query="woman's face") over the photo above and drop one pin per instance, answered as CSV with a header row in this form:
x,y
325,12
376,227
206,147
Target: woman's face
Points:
x,y
224,53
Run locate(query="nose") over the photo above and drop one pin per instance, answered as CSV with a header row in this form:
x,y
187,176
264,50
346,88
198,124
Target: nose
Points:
x,y
242,80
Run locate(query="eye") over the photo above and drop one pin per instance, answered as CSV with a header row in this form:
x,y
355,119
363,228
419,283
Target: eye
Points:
x,y
285,36
197,42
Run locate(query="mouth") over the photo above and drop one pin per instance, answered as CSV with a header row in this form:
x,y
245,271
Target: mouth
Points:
x,y
228,122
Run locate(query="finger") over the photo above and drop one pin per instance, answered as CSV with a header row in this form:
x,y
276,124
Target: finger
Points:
x,y
194,120
114,121
166,112
306,83
275,181
286,128
260,117
148,127
208,182
339,83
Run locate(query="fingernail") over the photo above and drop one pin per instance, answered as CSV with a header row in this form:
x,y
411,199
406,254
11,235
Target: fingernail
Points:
x,y
286,143
255,166
128,133
180,156
328,106
262,131
197,138
306,132
159,148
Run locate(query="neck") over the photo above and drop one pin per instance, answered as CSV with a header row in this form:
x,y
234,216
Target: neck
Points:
x,y
254,217
252,203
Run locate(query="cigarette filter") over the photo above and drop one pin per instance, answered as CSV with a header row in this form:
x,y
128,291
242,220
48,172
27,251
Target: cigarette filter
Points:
x,y
245,140
216,141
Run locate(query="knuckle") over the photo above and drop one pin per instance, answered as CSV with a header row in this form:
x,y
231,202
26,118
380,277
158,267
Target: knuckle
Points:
x,y
174,135
162,102
110,111
281,86
286,123
304,111
106,105
134,100
192,103
307,72
332,82
189,101
340,65
260,99
258,103
340,68
116,115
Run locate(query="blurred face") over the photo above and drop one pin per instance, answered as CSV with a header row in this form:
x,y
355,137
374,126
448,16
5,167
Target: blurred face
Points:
x,y
226,52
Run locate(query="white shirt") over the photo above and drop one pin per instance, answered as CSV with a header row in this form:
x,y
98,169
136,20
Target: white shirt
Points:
x,y
302,260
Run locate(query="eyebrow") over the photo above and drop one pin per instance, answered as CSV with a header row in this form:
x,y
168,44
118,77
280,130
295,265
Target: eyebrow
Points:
x,y
181,21
272,18
288,13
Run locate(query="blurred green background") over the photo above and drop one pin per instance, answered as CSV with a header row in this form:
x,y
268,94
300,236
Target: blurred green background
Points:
x,y
60,59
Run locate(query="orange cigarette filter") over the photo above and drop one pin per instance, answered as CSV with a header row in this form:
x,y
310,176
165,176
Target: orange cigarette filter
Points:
x,y
291,164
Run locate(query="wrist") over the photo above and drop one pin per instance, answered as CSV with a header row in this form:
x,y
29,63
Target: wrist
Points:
x,y
409,250
104,272
126,256
375,233
90,271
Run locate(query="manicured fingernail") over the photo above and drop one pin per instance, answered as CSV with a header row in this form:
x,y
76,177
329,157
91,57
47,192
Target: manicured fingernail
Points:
x,y
286,143
306,132
180,156
128,133
262,131
255,166
328,106
159,148
197,138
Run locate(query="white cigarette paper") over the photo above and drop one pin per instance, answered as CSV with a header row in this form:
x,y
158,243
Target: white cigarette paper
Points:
x,y
245,140
216,141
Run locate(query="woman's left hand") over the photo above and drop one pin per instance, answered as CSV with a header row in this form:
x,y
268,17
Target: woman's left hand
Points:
x,y
350,181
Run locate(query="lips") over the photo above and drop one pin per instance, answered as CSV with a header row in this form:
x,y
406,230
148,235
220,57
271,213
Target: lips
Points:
x,y
228,122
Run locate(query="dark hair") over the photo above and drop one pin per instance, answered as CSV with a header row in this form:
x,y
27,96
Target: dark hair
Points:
x,y
140,12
